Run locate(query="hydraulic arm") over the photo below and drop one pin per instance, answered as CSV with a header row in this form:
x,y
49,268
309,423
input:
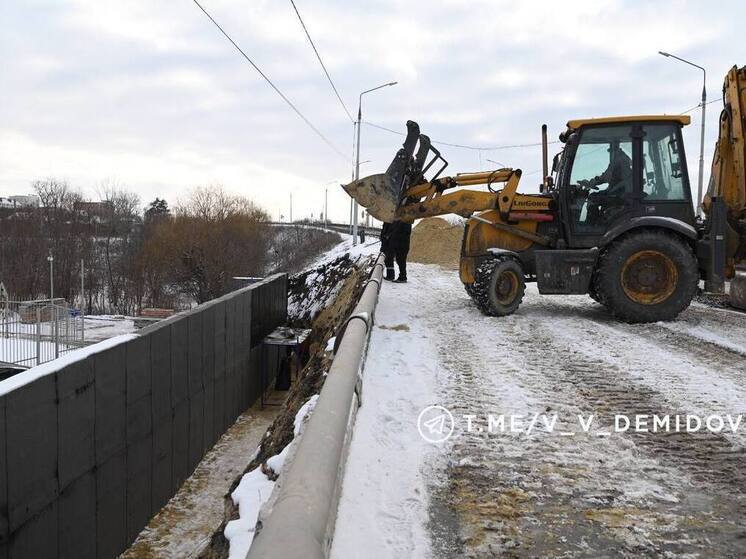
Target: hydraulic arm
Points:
x,y
402,193
725,202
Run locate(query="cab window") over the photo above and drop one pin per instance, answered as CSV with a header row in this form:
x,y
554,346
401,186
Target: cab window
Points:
x,y
662,174
601,180
604,157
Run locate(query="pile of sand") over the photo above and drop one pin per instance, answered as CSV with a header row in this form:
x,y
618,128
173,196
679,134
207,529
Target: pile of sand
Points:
x,y
437,240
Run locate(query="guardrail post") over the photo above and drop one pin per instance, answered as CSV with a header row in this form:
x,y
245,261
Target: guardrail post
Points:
x,y
38,335
56,332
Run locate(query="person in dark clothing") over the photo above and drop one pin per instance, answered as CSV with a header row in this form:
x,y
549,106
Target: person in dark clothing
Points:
x,y
395,247
388,253
618,175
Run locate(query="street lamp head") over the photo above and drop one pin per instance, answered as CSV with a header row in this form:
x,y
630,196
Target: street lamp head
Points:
x,y
684,60
393,83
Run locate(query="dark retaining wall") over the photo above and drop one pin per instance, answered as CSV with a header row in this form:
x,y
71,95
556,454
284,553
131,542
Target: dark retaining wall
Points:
x,y
90,452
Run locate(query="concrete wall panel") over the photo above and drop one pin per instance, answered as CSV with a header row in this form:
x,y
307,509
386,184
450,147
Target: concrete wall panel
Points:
x,y
139,486
230,334
229,397
111,431
219,416
4,531
37,538
77,519
139,419
179,361
31,423
219,340
111,506
138,368
76,415
160,367
195,373
180,470
208,344
162,463
196,429
243,309
209,413
255,370
240,326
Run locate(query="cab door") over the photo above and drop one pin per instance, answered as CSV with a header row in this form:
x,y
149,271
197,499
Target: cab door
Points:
x,y
665,181
599,188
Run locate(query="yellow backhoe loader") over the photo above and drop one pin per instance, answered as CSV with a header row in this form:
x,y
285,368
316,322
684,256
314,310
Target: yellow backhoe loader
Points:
x,y
613,219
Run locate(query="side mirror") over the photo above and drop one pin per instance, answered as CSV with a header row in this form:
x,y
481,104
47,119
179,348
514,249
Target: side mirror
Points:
x,y
555,162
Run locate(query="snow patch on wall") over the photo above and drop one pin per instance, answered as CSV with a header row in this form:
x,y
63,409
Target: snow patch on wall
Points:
x,y
21,379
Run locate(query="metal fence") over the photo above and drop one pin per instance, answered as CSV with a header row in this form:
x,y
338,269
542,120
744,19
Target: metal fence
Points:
x,y
37,331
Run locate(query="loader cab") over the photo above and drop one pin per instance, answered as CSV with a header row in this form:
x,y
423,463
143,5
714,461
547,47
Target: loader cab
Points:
x,y
619,169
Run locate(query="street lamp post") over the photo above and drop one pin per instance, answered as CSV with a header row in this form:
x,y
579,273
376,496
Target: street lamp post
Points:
x,y
326,203
352,201
702,127
357,154
50,259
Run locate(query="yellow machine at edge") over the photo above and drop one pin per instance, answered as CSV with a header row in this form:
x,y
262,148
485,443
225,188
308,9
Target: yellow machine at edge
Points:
x,y
614,218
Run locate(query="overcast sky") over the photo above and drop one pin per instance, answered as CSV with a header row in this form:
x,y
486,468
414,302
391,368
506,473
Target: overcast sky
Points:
x,y
149,94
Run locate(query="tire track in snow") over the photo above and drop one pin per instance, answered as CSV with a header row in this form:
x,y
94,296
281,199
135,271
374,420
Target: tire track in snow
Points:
x,y
592,361
574,496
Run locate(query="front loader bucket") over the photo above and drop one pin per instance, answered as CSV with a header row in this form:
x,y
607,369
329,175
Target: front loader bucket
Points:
x,y
377,195
738,288
381,194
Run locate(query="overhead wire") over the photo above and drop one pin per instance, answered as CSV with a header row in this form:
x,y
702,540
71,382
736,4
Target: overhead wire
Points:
x,y
323,66
699,105
462,146
272,85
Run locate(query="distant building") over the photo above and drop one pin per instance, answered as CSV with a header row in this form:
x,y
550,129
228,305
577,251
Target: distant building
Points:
x,y
20,201
97,211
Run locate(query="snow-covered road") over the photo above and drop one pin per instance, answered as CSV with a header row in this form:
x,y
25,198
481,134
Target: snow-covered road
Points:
x,y
559,491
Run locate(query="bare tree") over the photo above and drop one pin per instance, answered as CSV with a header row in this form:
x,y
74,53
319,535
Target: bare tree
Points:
x,y
216,236
122,243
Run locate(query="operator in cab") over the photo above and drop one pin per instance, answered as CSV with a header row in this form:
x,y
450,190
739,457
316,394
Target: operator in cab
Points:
x,y
618,175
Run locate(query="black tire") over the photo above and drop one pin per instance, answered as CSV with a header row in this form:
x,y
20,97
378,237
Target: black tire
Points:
x,y
647,276
498,287
593,291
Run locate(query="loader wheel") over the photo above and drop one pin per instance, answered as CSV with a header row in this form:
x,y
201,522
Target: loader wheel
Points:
x,y
499,286
593,292
647,277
